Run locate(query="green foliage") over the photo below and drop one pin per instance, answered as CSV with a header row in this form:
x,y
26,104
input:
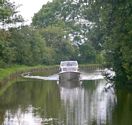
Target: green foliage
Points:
x,y
66,29
47,15
87,53
29,46
57,13
115,19
56,39
100,58
6,52
8,14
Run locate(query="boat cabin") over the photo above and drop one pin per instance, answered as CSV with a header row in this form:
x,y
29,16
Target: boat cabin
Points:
x,y
68,66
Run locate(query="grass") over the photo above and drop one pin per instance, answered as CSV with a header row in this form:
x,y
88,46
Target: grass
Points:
x,y
5,73
90,65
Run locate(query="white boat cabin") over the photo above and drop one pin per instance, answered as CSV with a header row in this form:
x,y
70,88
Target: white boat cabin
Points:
x,y
69,66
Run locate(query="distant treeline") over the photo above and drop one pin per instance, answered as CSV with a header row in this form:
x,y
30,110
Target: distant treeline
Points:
x,y
29,46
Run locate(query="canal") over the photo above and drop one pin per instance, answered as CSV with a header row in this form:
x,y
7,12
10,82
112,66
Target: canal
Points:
x,y
46,102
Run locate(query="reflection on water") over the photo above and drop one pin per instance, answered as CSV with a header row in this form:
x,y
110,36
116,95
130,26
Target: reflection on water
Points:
x,y
47,103
26,118
22,117
89,105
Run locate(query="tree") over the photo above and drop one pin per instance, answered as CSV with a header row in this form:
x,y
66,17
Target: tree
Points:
x,y
68,12
8,17
47,14
87,54
6,52
57,39
70,16
115,21
29,46
8,14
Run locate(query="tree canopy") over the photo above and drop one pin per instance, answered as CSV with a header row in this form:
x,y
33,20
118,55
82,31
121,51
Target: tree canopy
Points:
x,y
104,25
8,14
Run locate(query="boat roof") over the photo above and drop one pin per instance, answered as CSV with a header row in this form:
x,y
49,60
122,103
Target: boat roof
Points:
x,y
68,63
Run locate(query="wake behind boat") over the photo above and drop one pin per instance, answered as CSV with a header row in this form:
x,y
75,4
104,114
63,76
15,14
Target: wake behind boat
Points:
x,y
69,72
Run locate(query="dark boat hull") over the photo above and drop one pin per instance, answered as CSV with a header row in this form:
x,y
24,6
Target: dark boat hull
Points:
x,y
69,79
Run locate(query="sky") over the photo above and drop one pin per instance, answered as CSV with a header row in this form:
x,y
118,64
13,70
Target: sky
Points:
x,y
29,7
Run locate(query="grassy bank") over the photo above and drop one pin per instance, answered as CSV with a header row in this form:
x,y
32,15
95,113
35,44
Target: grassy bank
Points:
x,y
88,67
91,65
5,72
9,75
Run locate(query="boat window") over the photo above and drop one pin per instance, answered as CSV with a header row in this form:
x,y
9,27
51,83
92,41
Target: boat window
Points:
x,y
69,63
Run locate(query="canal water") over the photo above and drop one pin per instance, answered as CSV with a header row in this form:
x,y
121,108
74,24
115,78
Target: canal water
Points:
x,y
46,102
